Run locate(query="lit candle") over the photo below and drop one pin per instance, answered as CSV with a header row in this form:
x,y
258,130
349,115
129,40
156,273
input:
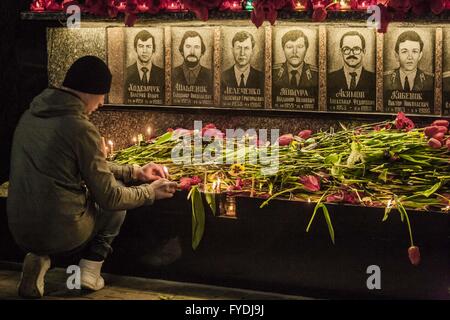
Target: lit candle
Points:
x,y
140,138
299,5
230,204
134,140
121,7
142,6
166,171
236,5
149,132
344,5
173,5
309,200
111,145
319,4
37,6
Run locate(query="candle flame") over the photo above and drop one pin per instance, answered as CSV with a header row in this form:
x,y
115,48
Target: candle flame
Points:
x,y
389,204
110,142
166,171
309,200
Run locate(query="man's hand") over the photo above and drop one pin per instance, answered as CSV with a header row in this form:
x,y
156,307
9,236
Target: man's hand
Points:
x,y
163,188
151,172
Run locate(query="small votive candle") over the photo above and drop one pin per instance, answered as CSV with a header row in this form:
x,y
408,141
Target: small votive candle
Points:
x,y
235,5
319,3
111,146
230,206
37,6
299,5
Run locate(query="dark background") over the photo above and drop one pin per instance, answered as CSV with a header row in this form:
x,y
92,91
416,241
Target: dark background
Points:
x,y
23,71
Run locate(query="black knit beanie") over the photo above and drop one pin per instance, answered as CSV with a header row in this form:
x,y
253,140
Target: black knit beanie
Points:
x,y
89,74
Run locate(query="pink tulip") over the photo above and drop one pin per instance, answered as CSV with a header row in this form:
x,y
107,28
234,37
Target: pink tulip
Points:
x,y
431,131
434,143
185,183
441,122
439,136
305,134
285,139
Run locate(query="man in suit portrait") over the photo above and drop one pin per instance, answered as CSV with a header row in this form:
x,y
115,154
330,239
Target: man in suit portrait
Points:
x,y
352,76
408,77
191,72
295,72
143,71
242,74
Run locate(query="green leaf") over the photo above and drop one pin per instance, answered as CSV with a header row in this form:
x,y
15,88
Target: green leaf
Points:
x,y
383,175
211,200
411,159
333,158
198,217
324,208
165,137
430,191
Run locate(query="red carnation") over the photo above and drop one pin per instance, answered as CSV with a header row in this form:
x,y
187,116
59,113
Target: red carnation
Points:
x,y
403,122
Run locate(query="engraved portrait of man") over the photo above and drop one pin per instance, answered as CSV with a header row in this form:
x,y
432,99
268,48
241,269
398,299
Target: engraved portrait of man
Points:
x,y
242,74
408,76
191,71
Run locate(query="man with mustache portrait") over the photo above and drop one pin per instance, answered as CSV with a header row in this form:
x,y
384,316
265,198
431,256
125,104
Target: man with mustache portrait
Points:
x,y
352,76
191,72
295,72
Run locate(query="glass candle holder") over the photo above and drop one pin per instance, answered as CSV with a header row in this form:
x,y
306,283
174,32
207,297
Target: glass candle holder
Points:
x,y
230,206
37,6
299,5
364,4
235,5
320,3
121,6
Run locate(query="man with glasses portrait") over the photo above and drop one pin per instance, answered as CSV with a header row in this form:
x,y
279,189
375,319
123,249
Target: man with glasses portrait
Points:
x,y
352,76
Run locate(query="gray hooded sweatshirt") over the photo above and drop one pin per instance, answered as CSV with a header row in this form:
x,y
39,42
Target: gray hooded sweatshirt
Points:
x,y
57,171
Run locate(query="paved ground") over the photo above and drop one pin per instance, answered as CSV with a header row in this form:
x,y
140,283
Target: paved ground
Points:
x,y
129,288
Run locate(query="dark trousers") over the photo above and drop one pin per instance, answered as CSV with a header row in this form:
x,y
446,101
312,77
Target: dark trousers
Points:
x,y
106,227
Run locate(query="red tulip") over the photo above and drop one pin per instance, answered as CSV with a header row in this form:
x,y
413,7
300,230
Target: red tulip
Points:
x,y
439,136
437,6
431,131
442,129
311,183
443,123
434,143
447,144
319,14
182,132
285,139
414,255
216,133
305,134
